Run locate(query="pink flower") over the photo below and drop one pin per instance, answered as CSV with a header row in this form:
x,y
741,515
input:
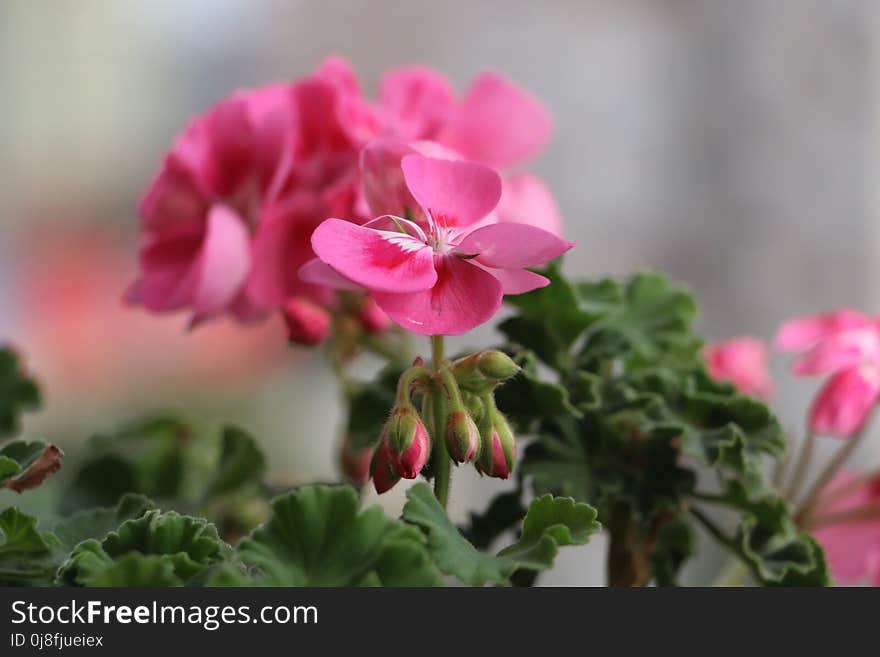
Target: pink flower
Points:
x,y
844,403
846,344
450,278
741,361
496,123
852,545
206,199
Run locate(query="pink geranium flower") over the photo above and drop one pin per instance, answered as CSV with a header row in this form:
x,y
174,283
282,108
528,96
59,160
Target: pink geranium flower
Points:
x,y
496,123
205,201
852,544
742,361
445,277
845,344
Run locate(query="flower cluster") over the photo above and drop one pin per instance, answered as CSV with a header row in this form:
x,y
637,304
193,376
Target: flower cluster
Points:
x,y
456,420
229,217
846,345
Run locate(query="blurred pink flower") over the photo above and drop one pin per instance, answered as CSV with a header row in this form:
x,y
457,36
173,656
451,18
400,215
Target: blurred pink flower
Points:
x,y
852,545
742,361
451,278
845,344
66,316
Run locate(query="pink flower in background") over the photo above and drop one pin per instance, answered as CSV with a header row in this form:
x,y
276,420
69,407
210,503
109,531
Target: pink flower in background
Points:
x,y
845,344
496,123
204,202
742,361
852,545
450,278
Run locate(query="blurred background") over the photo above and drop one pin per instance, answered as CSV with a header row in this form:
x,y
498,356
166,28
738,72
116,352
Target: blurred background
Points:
x,y
734,145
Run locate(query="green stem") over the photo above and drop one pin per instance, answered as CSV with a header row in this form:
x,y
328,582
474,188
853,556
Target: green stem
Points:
x,y
442,463
840,458
805,456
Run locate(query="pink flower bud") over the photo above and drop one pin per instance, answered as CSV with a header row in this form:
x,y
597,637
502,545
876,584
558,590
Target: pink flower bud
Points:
x,y
307,322
844,403
355,464
498,451
372,318
408,441
462,437
385,475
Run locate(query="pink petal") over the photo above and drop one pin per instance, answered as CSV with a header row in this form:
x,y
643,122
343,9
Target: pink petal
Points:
x,y
383,183
840,350
318,272
224,261
511,246
417,100
849,546
845,402
173,199
281,245
803,332
498,123
378,260
456,193
525,199
168,271
516,281
464,297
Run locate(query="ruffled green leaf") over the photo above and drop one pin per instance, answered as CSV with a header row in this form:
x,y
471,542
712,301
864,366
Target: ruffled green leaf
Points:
x,y
549,524
18,393
189,545
28,557
97,523
318,536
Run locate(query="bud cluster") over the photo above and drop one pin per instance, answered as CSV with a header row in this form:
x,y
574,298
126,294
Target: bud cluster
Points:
x,y
457,408
309,323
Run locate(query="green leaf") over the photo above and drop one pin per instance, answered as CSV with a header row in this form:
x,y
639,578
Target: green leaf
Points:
x,y
505,511
28,557
241,463
26,465
317,536
18,393
135,569
526,397
674,545
97,523
549,523
188,544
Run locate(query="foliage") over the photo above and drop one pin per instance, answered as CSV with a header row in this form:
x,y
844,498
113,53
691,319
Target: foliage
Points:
x,y
625,416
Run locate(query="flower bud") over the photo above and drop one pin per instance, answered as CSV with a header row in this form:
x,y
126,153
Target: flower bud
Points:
x,y
355,464
462,437
307,322
498,450
496,365
408,441
385,475
371,317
